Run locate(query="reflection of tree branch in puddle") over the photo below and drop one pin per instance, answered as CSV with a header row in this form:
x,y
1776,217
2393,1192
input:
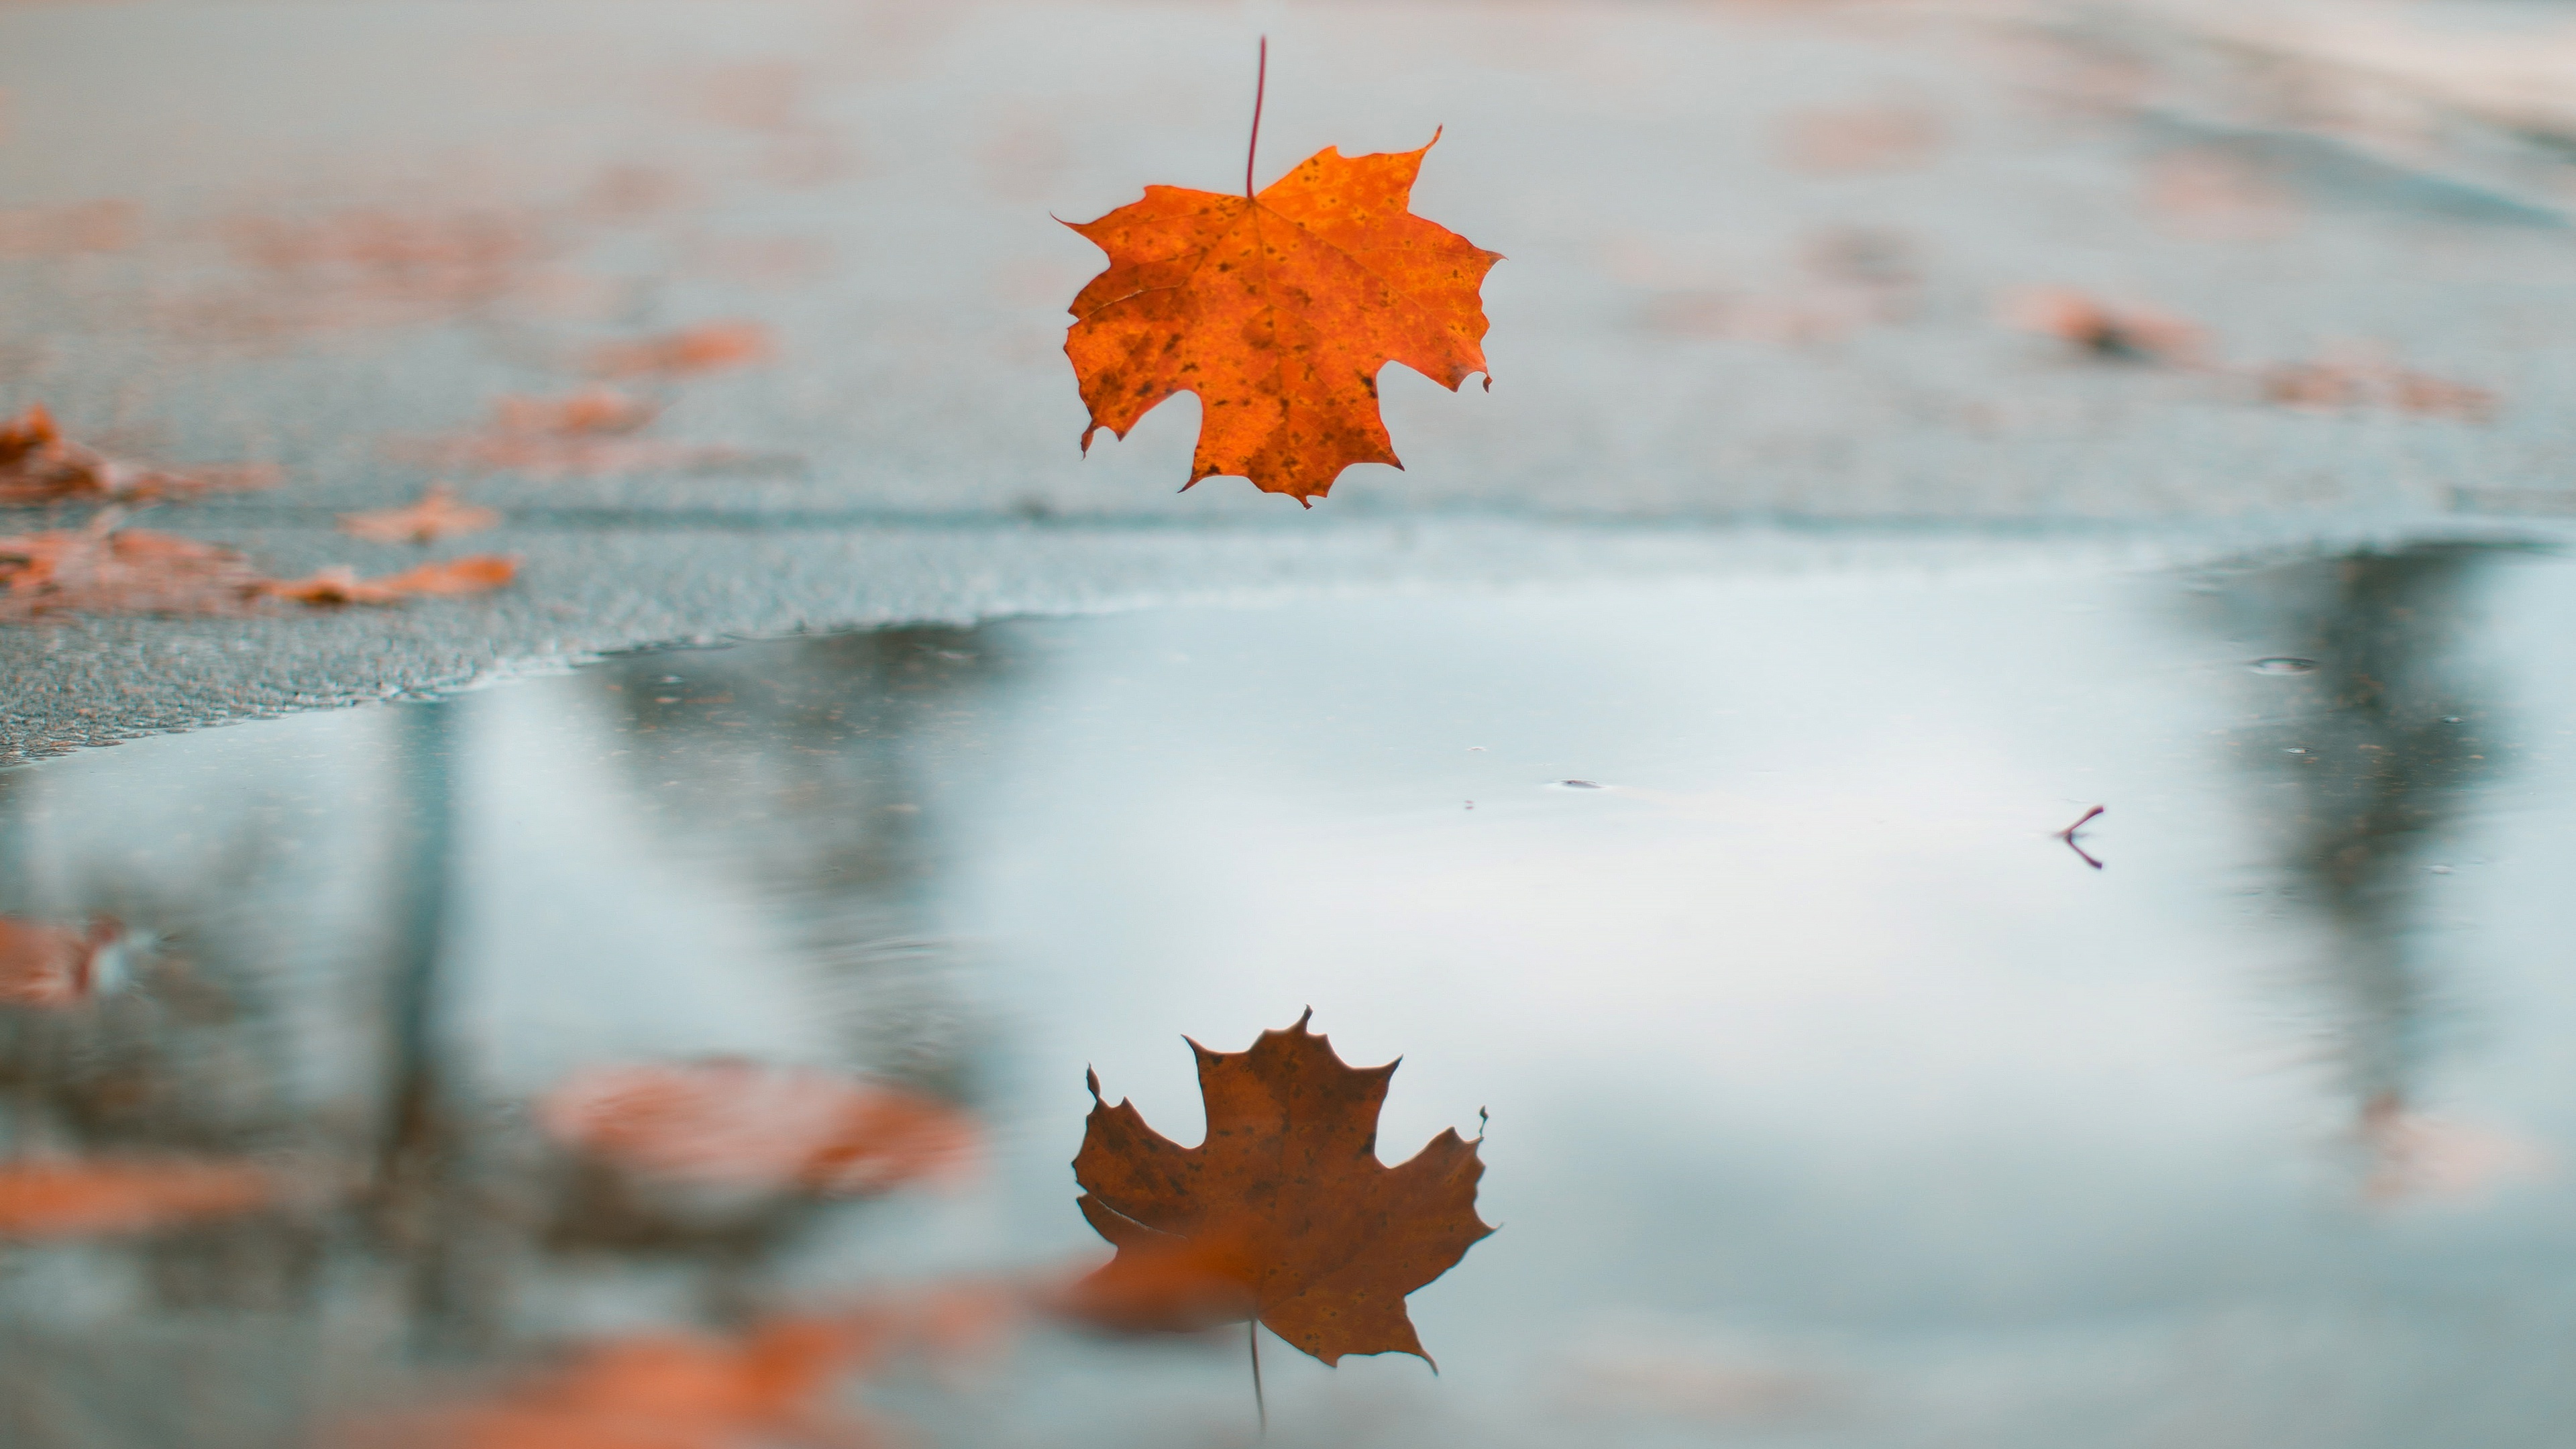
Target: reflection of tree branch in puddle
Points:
x,y
2372,724
312,1016
423,1166
195,1061
801,774
2070,833
795,776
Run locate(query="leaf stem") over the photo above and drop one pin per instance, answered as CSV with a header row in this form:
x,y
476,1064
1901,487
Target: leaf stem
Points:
x,y
1260,85
1259,1406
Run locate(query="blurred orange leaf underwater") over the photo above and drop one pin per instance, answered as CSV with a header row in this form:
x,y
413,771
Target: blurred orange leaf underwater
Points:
x,y
744,1125
1278,311
40,465
593,411
107,569
658,1391
773,1383
48,965
1283,1213
439,514
2332,385
91,1197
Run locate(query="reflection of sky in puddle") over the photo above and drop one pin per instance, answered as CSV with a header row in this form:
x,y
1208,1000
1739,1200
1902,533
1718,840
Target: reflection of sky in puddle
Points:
x,y
1833,1100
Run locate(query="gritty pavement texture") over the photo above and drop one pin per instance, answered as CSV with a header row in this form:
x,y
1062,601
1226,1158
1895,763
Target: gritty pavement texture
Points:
x,y
1762,261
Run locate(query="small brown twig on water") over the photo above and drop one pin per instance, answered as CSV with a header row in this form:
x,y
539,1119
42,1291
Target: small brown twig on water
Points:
x,y
1260,1406
2069,833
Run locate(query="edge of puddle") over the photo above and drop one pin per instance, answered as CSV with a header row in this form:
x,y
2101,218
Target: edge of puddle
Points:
x,y
92,682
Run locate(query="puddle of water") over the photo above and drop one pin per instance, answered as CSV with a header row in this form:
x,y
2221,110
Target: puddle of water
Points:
x,y
1834,1098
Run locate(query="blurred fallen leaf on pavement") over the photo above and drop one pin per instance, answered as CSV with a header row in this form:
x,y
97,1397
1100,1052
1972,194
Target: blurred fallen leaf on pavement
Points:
x,y
382,266
339,584
1285,1202
584,433
1894,136
2099,329
440,259
707,347
53,231
39,465
92,1197
592,411
745,1125
42,964
107,569
439,514
1846,278
1263,307
2213,195
2366,382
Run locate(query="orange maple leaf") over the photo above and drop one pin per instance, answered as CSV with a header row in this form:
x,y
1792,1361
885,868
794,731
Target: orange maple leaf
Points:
x,y
1285,1200
438,514
1278,311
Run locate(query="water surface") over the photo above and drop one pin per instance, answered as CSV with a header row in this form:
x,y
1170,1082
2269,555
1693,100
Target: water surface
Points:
x,y
1834,1098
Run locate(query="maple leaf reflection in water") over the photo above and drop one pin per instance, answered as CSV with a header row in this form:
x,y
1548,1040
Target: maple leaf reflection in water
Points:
x,y
1284,1213
2358,380
743,1126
